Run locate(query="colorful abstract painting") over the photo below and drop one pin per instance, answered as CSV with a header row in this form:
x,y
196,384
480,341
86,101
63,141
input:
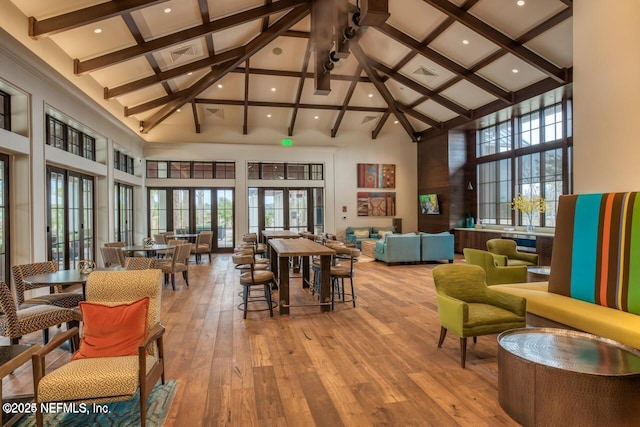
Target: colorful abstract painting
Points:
x,y
376,176
376,204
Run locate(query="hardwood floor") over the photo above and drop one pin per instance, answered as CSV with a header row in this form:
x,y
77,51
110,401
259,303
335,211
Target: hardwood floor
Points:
x,y
376,364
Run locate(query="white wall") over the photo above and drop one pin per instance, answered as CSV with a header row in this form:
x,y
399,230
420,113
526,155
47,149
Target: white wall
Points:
x,y
606,82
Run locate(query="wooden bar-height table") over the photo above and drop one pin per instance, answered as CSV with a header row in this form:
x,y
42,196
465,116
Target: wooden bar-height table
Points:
x,y
281,250
279,234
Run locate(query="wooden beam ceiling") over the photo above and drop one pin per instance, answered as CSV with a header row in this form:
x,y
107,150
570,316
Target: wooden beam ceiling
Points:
x,y
303,77
345,104
272,104
219,71
380,124
499,39
88,15
82,67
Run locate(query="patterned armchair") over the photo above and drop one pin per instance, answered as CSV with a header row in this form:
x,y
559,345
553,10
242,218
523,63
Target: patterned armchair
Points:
x,y
58,298
115,378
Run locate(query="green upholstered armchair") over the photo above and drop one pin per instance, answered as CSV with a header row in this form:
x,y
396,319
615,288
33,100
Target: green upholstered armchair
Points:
x,y
495,267
469,308
508,248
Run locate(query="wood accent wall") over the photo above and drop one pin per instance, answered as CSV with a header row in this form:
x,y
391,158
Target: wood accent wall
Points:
x,y
441,170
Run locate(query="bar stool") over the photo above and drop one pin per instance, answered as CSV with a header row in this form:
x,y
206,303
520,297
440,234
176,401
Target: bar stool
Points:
x,y
260,248
254,277
339,272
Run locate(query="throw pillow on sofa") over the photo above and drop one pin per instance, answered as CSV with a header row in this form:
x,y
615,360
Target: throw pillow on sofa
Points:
x,y
381,233
361,234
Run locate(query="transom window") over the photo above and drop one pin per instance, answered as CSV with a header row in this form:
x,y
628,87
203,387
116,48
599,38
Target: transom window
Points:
x,y
123,162
190,169
65,137
5,111
298,171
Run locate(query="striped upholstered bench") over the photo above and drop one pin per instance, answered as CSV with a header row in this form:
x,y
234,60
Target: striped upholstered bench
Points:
x,y
594,284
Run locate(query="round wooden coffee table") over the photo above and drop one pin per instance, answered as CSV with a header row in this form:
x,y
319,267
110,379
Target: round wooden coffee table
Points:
x,y
555,377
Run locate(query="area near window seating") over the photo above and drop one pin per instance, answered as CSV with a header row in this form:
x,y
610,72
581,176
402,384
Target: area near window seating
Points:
x,y
321,212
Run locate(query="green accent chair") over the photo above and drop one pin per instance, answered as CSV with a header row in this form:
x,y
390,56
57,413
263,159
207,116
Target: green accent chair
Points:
x,y
469,308
508,248
495,267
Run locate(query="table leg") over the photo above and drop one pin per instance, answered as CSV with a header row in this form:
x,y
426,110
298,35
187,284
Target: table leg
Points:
x,y
325,282
273,259
284,284
305,272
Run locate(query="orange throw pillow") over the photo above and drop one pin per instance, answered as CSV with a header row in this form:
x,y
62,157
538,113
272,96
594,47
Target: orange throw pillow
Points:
x,y
112,331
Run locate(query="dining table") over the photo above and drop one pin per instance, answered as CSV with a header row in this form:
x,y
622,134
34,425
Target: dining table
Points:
x,y
279,234
191,237
281,250
58,278
150,251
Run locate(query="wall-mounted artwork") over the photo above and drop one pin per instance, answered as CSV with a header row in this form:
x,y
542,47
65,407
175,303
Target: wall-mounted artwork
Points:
x,y
376,176
376,204
429,204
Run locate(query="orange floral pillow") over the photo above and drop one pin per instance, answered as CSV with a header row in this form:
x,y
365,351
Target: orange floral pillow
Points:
x,y
112,331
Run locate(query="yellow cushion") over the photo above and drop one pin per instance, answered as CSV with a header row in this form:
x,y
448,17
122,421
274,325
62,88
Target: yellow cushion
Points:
x,y
93,378
596,319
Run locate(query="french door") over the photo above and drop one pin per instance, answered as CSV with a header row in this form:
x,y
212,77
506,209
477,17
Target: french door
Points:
x,y
123,195
295,209
194,210
5,262
70,217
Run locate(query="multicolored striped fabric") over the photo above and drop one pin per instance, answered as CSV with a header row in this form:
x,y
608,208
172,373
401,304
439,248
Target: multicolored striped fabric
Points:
x,y
597,238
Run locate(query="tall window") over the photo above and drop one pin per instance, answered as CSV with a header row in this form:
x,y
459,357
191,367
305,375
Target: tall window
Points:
x,y
123,162
286,209
70,219
123,195
65,137
5,261
5,111
524,155
194,210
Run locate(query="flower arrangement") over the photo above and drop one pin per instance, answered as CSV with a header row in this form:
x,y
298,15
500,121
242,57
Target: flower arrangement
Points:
x,y
528,205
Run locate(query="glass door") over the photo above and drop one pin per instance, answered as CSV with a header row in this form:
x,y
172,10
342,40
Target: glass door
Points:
x,y
158,211
298,210
181,222
224,207
56,229
274,209
123,213
5,262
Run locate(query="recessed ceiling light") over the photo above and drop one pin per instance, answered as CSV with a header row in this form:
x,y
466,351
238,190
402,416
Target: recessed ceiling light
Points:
x,y
269,115
167,10
189,73
395,122
316,117
465,41
220,86
97,30
277,51
370,95
178,110
515,71
273,89
520,2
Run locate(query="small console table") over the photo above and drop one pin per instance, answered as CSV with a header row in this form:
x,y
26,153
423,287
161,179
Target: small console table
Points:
x,y
558,377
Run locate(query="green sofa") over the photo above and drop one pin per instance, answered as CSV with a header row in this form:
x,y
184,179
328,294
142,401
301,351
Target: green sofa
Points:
x,y
594,285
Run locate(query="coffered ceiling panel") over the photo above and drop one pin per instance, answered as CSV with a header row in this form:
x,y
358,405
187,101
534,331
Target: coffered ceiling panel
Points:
x,y
427,69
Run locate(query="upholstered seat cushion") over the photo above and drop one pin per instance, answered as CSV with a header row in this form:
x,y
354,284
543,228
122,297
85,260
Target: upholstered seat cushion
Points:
x,y
260,266
199,248
40,317
341,271
64,300
259,277
511,262
95,378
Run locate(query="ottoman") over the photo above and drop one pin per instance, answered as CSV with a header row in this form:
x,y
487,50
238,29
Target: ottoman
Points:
x,y
368,247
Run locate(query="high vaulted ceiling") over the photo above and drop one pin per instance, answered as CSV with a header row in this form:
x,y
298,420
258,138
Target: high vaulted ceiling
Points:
x,y
242,65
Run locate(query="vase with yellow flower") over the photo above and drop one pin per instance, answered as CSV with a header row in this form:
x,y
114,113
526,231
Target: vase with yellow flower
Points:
x,y
529,205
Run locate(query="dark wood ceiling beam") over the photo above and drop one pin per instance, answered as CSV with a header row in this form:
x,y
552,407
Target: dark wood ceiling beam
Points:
x,y
303,76
345,103
297,74
418,115
568,2
203,6
163,76
245,125
380,124
321,38
297,34
137,35
499,38
270,104
556,19
445,62
265,20
82,67
85,16
219,71
420,89
521,95
363,60
196,122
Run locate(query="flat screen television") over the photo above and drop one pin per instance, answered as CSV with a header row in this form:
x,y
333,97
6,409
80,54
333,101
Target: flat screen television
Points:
x,y
429,204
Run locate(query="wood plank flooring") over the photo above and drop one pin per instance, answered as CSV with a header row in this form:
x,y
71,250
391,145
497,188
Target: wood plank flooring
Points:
x,y
374,365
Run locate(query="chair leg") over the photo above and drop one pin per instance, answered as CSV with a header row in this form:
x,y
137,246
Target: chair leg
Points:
x,y
45,335
246,300
186,278
353,292
463,351
443,333
209,257
267,294
475,340
143,410
15,341
39,419
173,281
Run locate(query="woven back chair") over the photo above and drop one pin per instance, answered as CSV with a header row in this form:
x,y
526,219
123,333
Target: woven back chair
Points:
x,y
57,298
139,263
202,245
